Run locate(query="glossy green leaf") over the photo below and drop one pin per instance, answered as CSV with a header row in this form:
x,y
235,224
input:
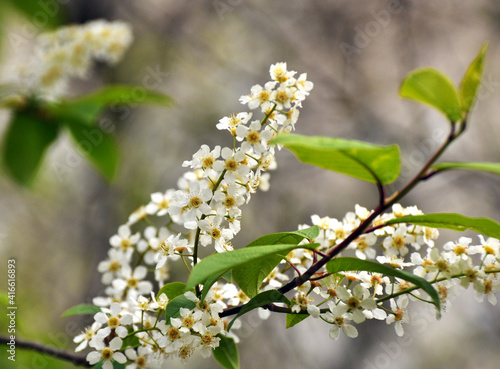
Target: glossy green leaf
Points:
x,y
286,237
100,148
430,86
249,276
262,299
172,290
26,141
174,306
82,309
453,221
294,319
354,158
226,353
210,282
472,79
481,167
346,264
220,263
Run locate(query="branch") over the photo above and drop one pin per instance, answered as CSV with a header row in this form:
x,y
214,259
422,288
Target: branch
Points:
x,y
384,203
47,350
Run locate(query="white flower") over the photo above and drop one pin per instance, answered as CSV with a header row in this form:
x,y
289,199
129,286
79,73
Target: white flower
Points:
x,y
140,358
259,96
115,320
304,302
395,244
167,247
400,314
360,304
107,354
203,158
339,317
233,162
254,136
124,239
117,259
279,73
232,122
191,205
160,203
303,84
132,281
213,231
161,303
86,336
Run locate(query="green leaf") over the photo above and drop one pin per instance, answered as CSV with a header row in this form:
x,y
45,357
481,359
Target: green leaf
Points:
x,y
226,353
286,237
119,95
130,342
355,158
87,108
220,263
453,221
294,319
25,143
82,309
85,113
482,167
174,306
210,282
100,148
346,264
45,14
249,276
472,79
430,86
172,290
262,299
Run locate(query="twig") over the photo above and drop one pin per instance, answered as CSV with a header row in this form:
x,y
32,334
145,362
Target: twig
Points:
x,y
47,350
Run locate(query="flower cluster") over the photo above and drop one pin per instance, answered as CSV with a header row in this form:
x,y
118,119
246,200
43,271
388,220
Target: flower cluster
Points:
x,y
204,211
69,51
353,297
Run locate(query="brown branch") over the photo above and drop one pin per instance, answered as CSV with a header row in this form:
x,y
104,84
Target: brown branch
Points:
x,y
47,350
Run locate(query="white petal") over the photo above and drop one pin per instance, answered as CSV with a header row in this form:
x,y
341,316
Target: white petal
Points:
x,y
140,272
399,329
115,344
115,308
93,357
119,357
350,331
101,318
121,331
81,346
334,332
313,310
126,319
131,354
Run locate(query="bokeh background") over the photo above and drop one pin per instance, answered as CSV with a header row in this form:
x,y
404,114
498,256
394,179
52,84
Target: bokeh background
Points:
x,y
206,54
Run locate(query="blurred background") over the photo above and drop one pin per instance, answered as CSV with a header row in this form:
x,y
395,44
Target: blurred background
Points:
x,y
205,54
